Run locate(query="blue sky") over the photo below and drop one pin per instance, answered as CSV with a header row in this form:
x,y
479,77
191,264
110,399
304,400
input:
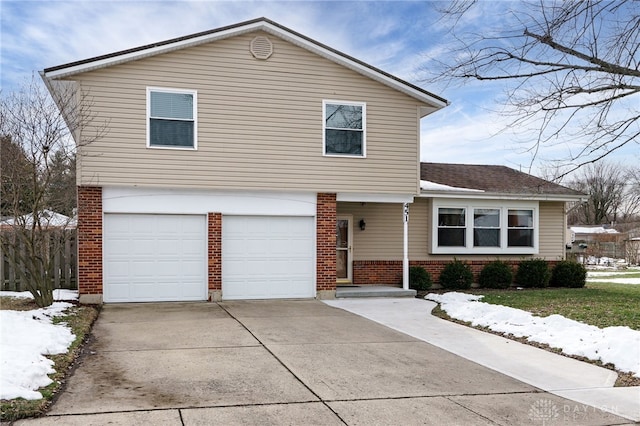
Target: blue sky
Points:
x,y
396,36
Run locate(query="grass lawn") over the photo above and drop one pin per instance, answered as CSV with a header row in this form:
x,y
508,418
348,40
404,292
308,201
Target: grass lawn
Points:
x,y
79,319
599,304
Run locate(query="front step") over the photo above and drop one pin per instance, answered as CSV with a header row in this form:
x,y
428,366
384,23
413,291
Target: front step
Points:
x,y
352,291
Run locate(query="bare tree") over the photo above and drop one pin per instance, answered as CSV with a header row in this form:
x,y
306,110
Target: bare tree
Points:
x,y
36,132
605,183
15,178
62,194
572,69
632,197
632,252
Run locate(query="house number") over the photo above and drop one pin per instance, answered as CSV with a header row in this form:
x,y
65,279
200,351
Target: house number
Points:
x,y
406,212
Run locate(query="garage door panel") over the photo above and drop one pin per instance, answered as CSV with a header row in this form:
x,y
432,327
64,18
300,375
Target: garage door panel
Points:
x,y
119,291
191,247
233,248
120,245
282,246
119,269
299,268
301,248
166,247
140,225
146,245
154,258
267,257
233,268
141,269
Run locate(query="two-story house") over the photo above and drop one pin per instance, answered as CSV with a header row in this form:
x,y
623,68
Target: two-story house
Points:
x,y
252,162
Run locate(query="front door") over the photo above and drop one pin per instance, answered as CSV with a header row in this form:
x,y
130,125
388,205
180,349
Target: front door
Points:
x,y
343,248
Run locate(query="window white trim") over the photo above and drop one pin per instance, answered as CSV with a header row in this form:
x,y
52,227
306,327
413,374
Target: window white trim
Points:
x,y
363,105
193,93
470,206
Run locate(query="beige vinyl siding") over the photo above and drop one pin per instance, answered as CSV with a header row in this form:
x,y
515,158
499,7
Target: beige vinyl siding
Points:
x,y
259,123
382,238
552,229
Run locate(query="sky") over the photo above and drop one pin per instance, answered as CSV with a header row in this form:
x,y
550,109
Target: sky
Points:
x,y
395,36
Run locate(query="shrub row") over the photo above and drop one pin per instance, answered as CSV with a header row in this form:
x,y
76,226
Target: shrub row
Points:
x,y
498,274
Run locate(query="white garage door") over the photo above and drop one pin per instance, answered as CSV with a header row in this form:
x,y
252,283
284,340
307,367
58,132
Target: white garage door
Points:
x,y
150,258
268,257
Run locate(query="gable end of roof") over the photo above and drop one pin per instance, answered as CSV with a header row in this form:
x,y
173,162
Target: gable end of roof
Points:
x,y
259,24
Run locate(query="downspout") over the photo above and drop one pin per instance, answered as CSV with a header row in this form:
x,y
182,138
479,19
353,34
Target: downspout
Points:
x,y
405,248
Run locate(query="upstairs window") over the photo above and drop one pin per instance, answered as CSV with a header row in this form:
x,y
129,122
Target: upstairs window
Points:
x,y
171,118
344,127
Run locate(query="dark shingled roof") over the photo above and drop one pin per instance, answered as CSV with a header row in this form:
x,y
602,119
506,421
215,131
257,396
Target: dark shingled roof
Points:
x,y
497,179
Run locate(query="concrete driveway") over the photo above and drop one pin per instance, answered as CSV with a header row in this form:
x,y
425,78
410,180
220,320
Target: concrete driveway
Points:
x,y
285,362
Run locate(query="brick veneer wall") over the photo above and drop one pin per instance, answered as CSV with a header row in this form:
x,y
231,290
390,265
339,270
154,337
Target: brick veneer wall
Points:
x,y
214,252
389,272
89,240
326,242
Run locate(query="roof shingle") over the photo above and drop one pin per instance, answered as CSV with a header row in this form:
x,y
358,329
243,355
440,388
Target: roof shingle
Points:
x,y
490,178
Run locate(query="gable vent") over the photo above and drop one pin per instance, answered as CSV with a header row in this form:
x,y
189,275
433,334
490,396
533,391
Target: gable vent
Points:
x,y
261,47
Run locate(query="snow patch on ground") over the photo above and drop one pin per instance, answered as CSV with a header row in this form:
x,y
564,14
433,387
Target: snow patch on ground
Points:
x,y
591,274
58,294
597,277
25,336
619,346
614,280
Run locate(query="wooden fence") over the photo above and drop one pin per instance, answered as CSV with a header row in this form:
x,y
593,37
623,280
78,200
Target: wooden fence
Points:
x,y
64,252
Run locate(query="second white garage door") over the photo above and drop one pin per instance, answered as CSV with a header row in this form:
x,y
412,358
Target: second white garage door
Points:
x,y
268,257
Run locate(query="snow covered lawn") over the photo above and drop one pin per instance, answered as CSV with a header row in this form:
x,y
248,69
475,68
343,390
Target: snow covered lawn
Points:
x,y
25,337
619,346
597,274
616,277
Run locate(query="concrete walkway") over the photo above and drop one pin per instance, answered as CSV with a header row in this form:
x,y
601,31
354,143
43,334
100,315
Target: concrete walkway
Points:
x,y
566,377
287,362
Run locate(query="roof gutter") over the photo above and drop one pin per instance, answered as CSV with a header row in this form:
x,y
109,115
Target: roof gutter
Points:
x,y
502,196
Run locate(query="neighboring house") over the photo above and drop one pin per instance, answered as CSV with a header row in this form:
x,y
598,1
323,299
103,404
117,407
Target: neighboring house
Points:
x,y
597,241
46,219
589,233
252,162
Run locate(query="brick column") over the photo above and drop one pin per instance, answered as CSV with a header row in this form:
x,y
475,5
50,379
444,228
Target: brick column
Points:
x,y
214,255
90,244
326,246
